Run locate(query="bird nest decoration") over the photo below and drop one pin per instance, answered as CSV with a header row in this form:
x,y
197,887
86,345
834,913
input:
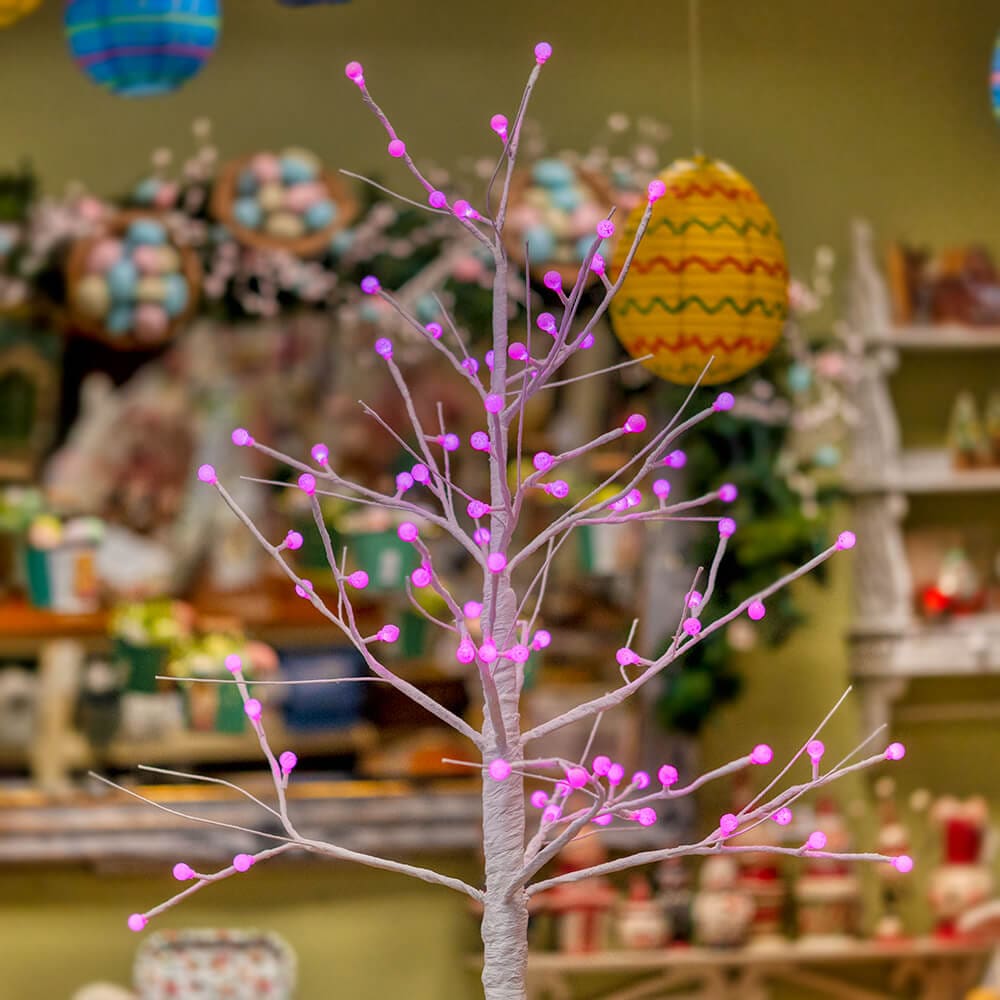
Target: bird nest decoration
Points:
x,y
283,201
132,286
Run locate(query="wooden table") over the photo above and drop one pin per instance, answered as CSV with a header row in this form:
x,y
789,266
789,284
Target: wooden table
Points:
x,y
921,968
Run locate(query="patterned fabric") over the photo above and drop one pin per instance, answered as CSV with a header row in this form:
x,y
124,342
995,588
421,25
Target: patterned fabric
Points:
x,y
708,279
214,965
136,48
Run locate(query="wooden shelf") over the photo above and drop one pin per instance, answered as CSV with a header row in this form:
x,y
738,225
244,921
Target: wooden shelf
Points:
x,y
939,337
928,470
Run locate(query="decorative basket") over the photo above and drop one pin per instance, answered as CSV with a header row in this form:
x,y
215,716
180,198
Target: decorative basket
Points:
x,y
226,195
84,318
514,235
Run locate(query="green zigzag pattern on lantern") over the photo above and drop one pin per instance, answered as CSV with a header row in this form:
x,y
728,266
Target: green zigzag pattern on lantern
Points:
x,y
776,309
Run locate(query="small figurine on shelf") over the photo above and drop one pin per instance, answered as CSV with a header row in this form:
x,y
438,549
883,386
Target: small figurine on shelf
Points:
x,y
642,921
964,879
893,840
581,909
966,437
827,893
722,910
992,420
674,883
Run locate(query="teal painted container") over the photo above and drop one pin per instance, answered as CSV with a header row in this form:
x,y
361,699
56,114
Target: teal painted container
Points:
x,y
384,556
140,665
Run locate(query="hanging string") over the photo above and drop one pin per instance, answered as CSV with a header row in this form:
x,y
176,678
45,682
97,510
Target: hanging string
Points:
x,y
694,66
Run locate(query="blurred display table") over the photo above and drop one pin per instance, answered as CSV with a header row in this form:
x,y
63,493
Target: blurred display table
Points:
x,y
921,968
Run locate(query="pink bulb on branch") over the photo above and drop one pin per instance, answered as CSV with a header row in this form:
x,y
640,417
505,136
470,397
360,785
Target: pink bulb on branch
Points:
x,y
397,148
616,774
233,663
355,71
304,589
434,331
646,816
667,775
499,125
244,862
307,483
783,816
756,610
493,403
543,52
293,541
241,437
472,609
724,401
816,841
605,229
499,769
815,750
370,285
287,761
661,488
479,441
253,709
408,532
903,864
541,640
895,751
481,536
420,577
635,424
603,819
546,322
846,540
320,453
137,922
728,493
676,459
539,799
640,780
761,754
728,824
206,473
727,527
552,280
577,777
496,562
183,872
437,199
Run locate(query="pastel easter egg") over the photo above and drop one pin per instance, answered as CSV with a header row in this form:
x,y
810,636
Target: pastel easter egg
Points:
x,y
296,170
151,289
103,254
271,197
583,245
305,156
122,278
248,213
552,173
119,320
342,242
567,199
168,259
92,297
320,215
175,300
524,216
146,190
541,243
266,168
300,196
285,225
146,259
246,183
468,269
558,222
151,322
427,308
166,197
147,231
585,218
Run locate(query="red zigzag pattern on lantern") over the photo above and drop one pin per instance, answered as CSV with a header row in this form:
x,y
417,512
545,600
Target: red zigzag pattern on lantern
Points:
x,y
651,345
713,267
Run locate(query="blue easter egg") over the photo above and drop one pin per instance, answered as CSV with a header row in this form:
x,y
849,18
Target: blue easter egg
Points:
x,y
427,308
342,242
799,377
248,213
827,456
541,243
246,183
119,320
122,278
567,199
296,171
369,313
175,298
320,215
583,245
145,191
552,173
147,231
622,178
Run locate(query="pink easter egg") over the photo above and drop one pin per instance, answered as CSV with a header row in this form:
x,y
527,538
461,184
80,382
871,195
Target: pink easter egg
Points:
x,y
147,259
102,255
467,268
266,167
299,197
91,209
584,220
166,195
151,321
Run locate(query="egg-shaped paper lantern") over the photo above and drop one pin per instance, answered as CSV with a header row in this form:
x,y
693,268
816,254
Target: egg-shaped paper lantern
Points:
x,y
995,79
139,48
709,278
14,10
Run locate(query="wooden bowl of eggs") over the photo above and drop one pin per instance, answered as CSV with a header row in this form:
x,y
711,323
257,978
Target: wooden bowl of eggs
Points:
x,y
554,210
132,286
284,201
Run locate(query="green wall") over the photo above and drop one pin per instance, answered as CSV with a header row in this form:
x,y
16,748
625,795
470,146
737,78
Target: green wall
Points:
x,y
830,108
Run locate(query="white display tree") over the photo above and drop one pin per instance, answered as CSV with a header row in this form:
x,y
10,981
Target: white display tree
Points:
x,y
584,793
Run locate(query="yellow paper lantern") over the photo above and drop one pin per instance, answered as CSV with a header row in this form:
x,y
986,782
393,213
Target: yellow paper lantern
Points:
x,y
14,10
709,279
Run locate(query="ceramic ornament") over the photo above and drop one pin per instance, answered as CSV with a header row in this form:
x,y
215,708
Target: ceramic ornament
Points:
x,y
141,48
709,279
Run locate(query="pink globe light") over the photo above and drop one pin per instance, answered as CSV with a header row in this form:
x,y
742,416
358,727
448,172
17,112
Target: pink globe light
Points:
x,y
517,351
783,816
499,125
466,652
694,599
496,562
244,862
287,761
655,191
434,331
587,343
692,626
183,872
761,754
728,493
137,922
661,488
420,577
233,663
383,347
307,483
437,199
626,657
605,229
358,579
542,461
539,799
500,769
397,148
408,532
206,473
370,285
756,610
728,824
404,481
519,653
493,403
480,441
635,424
895,751
603,819
616,774
320,453
450,442
558,488
293,541
846,540
640,780
676,459
488,651
815,750
303,589
724,401
727,527
601,765
667,775
903,864
541,640
472,609
577,777
547,323
241,437
552,814
355,71
646,816
816,841
253,709
481,536
477,509
552,280
543,52
420,473
388,633
597,264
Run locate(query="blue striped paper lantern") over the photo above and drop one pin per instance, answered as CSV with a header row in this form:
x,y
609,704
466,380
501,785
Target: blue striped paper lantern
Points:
x,y
995,79
139,48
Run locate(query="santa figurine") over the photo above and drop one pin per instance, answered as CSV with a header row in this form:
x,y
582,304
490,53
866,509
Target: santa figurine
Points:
x,y
722,910
963,880
893,840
